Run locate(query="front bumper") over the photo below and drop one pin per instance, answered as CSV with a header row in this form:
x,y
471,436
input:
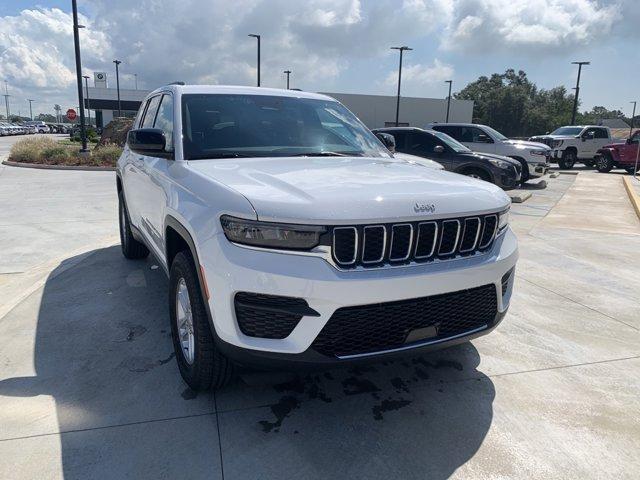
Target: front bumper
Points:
x,y
230,269
537,169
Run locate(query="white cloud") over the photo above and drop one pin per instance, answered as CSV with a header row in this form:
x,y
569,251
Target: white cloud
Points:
x,y
417,76
533,26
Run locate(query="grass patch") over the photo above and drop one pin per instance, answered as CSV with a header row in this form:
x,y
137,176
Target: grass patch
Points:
x,y
47,151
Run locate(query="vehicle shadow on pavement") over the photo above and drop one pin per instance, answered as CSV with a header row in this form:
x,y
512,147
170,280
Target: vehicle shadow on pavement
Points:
x,y
103,352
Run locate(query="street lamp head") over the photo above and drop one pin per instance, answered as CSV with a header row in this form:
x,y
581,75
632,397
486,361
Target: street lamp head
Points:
x,y
403,48
117,62
86,76
581,63
287,71
448,81
253,35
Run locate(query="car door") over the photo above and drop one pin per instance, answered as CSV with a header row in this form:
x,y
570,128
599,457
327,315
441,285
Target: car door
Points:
x,y
135,176
601,138
589,143
156,171
476,139
423,144
629,151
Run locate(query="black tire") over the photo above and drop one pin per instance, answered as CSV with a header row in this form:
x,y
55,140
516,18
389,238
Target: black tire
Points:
x,y
568,159
631,170
209,369
131,248
477,173
524,175
604,163
589,163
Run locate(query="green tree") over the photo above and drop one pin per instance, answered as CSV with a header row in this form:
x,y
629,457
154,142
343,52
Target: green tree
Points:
x,y
513,105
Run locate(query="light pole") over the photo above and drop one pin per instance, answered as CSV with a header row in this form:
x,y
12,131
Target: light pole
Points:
x,y
30,109
135,77
577,89
448,99
86,84
632,116
401,49
6,99
288,72
76,41
118,62
258,38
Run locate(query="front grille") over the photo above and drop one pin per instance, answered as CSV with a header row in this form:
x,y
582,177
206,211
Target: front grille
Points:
x,y
384,326
546,140
268,316
401,243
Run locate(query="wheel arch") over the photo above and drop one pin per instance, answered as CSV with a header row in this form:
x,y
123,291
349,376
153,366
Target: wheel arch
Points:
x,y
177,239
469,167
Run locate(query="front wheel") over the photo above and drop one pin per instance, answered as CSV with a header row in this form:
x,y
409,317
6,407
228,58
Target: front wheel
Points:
x,y
131,248
568,160
201,365
604,164
477,173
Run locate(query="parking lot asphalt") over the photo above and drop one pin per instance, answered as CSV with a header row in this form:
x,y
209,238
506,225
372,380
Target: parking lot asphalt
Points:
x,y
89,387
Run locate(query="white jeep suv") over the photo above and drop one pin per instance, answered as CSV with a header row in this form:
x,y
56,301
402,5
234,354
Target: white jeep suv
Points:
x,y
290,234
534,157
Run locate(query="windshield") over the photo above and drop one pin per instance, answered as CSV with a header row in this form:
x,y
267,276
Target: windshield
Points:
x,y
567,131
220,126
454,144
494,133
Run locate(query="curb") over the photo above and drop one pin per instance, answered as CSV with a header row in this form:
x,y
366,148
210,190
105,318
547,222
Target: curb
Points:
x,y
633,196
58,167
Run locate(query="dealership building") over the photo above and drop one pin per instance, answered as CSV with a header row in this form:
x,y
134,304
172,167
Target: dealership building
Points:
x,y
374,110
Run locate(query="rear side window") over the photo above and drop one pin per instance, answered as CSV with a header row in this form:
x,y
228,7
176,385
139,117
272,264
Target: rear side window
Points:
x,y
164,119
601,133
450,130
150,114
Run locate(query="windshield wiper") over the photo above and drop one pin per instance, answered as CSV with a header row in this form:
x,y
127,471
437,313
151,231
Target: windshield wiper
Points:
x,y
327,154
220,155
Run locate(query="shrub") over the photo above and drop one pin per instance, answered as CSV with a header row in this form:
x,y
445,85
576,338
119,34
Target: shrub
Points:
x,y
106,155
56,155
30,150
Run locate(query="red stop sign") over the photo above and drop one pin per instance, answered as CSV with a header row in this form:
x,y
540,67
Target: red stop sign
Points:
x,y
71,114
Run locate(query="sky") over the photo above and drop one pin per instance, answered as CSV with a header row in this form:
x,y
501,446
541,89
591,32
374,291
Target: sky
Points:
x,y
329,45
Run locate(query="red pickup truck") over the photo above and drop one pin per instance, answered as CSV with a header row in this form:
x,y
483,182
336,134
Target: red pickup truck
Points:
x,y
619,155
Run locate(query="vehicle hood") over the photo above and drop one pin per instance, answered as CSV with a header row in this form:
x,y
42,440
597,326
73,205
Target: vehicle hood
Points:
x,y
527,144
425,162
555,137
615,144
487,156
348,190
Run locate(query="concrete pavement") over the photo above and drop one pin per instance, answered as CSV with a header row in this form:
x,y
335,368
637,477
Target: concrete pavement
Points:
x,y
89,387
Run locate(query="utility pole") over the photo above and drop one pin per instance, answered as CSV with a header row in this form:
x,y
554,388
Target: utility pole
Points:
x,y
402,50
6,99
118,62
632,116
288,72
86,83
30,109
135,77
258,38
76,41
577,89
448,99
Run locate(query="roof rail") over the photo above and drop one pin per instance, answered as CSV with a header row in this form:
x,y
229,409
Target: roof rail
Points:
x,y
177,83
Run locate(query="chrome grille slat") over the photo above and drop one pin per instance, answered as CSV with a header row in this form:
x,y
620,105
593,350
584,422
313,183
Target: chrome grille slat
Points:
x,y
395,227
368,231
395,244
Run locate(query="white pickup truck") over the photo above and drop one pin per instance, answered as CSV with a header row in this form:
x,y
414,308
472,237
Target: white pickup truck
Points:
x,y
576,143
290,234
534,157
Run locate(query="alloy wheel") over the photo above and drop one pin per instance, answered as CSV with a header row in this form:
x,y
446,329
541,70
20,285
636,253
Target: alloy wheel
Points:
x,y
184,321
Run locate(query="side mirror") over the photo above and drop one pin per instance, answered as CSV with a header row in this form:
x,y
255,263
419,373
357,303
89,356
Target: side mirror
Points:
x,y
148,141
438,149
484,139
588,136
387,140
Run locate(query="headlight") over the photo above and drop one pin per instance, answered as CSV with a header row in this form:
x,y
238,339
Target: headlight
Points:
x,y
557,143
271,235
503,221
499,163
542,153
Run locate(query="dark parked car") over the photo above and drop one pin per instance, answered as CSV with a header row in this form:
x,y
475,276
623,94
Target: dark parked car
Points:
x,y
455,157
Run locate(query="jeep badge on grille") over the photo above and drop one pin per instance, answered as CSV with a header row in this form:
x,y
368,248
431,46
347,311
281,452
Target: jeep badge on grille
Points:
x,y
424,208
